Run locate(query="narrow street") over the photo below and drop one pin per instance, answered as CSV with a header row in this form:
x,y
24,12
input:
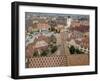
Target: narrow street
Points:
x,y
63,41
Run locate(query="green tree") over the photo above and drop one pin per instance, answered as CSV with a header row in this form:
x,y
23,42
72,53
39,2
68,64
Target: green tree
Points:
x,y
77,51
53,39
35,54
44,53
72,49
53,49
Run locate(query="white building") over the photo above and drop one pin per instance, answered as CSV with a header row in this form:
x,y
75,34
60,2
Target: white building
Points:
x,y
69,20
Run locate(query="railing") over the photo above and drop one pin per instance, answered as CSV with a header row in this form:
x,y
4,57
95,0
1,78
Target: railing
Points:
x,y
47,61
58,61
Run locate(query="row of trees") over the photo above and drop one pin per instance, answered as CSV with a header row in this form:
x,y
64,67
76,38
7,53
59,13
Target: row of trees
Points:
x,y
51,50
74,50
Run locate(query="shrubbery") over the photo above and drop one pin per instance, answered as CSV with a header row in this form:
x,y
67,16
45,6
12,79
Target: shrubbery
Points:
x,y
74,50
44,52
35,54
53,49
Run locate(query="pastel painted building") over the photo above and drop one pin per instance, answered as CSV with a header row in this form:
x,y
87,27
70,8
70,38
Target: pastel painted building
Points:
x,y
42,26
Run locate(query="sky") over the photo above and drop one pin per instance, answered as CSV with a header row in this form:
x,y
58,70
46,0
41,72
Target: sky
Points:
x,y
74,16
